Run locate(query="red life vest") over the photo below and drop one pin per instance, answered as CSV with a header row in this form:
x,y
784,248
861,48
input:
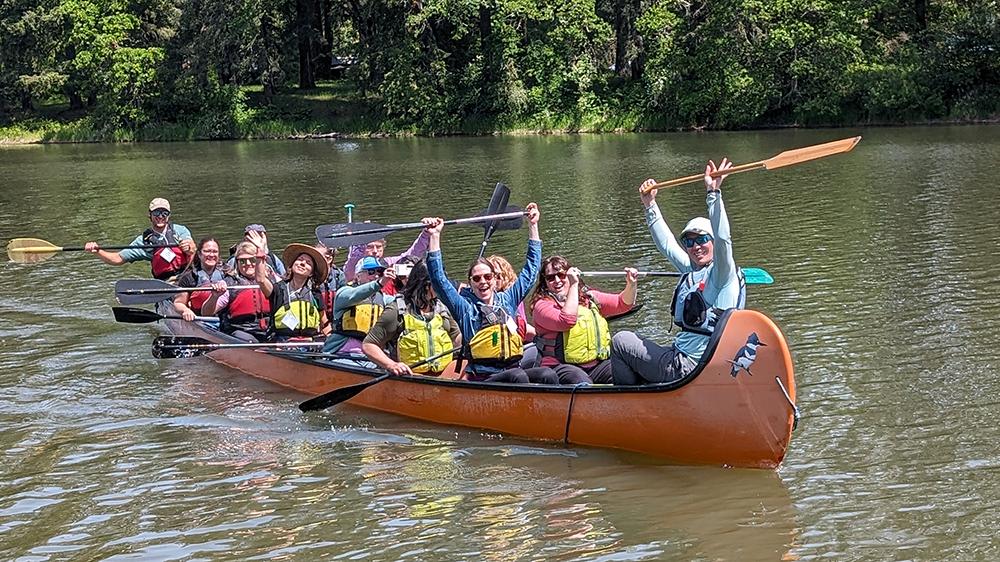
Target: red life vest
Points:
x,y
162,268
247,305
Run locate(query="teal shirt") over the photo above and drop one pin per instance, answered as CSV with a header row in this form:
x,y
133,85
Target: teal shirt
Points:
x,y
348,296
722,285
130,255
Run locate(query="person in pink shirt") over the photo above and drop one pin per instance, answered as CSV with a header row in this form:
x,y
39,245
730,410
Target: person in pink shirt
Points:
x,y
573,335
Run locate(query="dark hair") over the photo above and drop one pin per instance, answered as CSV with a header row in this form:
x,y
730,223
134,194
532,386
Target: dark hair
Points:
x,y
415,290
541,291
195,263
479,261
312,275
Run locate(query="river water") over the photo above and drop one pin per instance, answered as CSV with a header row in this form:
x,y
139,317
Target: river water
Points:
x,y
886,267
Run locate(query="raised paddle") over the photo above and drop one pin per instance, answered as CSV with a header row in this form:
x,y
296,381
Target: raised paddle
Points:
x,y
753,275
173,347
787,158
130,315
338,395
32,250
356,233
498,201
150,291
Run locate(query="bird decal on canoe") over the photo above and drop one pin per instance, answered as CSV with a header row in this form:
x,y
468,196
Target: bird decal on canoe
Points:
x,y
746,355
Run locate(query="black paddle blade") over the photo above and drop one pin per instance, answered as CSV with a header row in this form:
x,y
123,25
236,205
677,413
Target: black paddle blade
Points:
x,y
627,313
143,291
130,315
338,395
346,234
179,347
501,194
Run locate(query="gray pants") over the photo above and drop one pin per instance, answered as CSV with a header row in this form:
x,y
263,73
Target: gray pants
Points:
x,y
637,360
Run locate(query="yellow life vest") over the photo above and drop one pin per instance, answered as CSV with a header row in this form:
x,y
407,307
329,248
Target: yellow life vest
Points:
x,y
303,315
588,340
360,318
495,342
421,339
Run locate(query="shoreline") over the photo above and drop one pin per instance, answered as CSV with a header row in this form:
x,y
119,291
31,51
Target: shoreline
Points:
x,y
38,137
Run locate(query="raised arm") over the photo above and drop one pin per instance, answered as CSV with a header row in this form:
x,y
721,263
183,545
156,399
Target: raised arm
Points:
x,y
446,292
664,239
532,259
724,270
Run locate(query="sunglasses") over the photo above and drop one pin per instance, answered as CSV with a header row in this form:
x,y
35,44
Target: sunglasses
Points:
x,y
700,240
550,277
160,213
481,277
246,261
373,271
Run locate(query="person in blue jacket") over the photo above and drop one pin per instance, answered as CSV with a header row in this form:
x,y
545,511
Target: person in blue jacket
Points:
x,y
486,316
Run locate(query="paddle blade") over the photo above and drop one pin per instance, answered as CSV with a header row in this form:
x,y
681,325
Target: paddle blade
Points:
x,y
506,224
346,234
131,315
179,347
143,291
30,250
498,201
336,396
798,155
757,276
627,313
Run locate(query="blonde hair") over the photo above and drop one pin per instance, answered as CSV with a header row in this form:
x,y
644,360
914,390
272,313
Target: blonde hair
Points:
x,y
505,275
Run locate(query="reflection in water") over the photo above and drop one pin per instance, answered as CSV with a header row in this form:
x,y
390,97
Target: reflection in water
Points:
x,y
885,264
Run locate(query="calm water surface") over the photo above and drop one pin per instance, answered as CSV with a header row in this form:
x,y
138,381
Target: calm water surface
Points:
x,y
886,273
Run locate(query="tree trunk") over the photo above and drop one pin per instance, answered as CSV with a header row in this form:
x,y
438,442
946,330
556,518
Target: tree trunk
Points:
x,y
307,59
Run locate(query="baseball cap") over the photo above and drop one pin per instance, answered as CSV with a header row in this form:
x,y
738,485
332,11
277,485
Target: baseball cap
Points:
x,y
698,225
370,262
159,203
254,228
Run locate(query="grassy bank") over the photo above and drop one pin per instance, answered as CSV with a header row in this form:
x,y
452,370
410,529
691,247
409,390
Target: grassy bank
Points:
x,y
328,111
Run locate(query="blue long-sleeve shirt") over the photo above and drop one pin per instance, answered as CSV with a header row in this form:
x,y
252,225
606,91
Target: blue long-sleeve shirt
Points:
x,y
464,307
722,285
348,296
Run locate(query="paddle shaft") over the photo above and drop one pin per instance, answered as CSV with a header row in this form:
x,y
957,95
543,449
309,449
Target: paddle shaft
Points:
x,y
180,290
413,225
49,249
338,395
276,345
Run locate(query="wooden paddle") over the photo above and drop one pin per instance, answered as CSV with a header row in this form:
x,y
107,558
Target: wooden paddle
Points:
x,y
787,158
130,315
150,291
753,275
173,347
33,250
338,395
355,233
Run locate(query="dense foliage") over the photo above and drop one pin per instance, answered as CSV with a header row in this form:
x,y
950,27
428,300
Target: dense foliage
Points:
x,y
454,65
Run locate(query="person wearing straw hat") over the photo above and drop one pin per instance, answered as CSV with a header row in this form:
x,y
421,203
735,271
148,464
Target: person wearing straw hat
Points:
x,y
296,306
711,284
165,262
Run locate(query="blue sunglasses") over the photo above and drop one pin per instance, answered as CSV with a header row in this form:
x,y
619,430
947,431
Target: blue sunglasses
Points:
x,y
699,240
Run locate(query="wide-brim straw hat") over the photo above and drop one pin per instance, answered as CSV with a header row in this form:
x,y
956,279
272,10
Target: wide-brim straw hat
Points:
x,y
321,269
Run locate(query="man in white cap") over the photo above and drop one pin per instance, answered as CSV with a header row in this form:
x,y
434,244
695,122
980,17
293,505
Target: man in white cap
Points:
x,y
176,247
711,284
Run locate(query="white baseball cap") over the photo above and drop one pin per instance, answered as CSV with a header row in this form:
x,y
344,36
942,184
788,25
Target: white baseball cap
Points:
x,y
698,225
159,203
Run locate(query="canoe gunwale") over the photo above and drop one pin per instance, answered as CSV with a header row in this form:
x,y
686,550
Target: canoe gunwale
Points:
x,y
344,365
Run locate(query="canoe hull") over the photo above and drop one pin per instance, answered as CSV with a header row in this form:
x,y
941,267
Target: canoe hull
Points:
x,y
722,415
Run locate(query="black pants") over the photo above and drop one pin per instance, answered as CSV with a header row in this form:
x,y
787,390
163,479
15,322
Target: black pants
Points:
x,y
540,375
574,374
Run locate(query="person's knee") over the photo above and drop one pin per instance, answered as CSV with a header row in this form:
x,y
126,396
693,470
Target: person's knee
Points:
x,y
622,341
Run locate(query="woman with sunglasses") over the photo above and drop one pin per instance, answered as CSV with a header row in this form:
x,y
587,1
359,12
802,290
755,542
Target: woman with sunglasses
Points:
x,y
711,284
244,314
573,334
413,328
487,316
204,270
165,262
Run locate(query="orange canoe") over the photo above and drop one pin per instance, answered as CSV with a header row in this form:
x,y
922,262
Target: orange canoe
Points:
x,y
736,410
